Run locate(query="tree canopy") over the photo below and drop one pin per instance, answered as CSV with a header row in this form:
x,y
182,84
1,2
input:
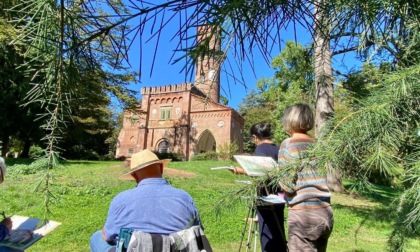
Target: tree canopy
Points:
x,y
59,43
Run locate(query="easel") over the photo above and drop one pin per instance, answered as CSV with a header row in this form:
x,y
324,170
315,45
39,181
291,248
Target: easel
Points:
x,y
253,229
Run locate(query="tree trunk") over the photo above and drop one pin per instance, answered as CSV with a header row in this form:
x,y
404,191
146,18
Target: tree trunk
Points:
x,y
26,147
4,144
334,182
324,100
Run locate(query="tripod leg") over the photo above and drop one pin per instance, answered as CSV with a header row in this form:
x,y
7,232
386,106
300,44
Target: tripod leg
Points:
x,y
243,231
251,220
248,245
255,236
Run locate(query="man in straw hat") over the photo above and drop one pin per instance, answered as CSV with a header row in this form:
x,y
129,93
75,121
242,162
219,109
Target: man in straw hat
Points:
x,y
153,206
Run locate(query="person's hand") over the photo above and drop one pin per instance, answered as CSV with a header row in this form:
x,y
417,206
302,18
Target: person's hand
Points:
x,y
7,222
237,170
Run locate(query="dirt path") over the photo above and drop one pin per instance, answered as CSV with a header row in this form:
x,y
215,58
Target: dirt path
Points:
x,y
169,172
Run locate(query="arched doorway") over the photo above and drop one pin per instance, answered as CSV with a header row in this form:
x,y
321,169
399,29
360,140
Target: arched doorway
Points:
x,y
163,146
206,142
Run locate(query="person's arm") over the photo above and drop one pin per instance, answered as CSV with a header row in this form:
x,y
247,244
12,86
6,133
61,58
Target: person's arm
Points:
x,y
4,232
288,178
237,170
109,240
110,229
288,182
193,211
5,227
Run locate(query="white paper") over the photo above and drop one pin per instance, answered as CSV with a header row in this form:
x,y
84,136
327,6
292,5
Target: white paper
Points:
x,y
23,222
255,166
27,223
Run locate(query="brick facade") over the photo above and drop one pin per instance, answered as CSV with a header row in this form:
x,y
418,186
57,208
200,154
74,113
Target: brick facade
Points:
x,y
184,118
174,119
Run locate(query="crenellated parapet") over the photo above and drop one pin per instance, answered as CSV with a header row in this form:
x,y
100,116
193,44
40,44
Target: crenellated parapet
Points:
x,y
166,89
184,118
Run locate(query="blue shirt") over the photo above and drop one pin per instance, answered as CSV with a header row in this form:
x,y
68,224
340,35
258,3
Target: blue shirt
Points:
x,y
153,206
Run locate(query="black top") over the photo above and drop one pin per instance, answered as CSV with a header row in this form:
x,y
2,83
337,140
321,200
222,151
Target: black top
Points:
x,y
267,150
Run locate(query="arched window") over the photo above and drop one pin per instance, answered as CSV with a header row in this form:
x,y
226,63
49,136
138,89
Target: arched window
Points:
x,y
163,146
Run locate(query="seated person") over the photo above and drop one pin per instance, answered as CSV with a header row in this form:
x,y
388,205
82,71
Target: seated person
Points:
x,y
6,224
153,206
5,227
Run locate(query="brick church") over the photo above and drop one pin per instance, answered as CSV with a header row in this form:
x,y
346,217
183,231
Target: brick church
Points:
x,y
185,118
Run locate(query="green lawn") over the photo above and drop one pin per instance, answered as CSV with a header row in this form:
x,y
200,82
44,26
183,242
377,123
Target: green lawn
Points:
x,y
82,191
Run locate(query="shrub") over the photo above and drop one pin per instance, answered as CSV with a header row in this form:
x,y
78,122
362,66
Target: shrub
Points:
x,y
226,151
209,155
36,152
21,169
32,168
171,155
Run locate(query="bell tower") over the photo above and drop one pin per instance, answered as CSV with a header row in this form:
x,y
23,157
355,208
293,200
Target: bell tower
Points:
x,y
207,75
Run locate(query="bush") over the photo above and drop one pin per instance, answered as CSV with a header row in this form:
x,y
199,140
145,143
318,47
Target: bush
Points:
x,y
26,169
21,169
209,155
226,151
36,152
173,156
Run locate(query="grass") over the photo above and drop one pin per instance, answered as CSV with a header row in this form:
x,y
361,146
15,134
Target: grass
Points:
x,y
82,192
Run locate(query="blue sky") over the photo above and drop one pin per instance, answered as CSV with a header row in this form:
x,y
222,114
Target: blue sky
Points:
x,y
166,73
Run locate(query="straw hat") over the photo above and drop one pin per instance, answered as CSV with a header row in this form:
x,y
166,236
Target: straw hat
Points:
x,y
142,160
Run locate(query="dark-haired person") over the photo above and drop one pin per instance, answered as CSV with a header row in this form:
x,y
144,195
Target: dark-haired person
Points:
x,y
261,135
270,217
